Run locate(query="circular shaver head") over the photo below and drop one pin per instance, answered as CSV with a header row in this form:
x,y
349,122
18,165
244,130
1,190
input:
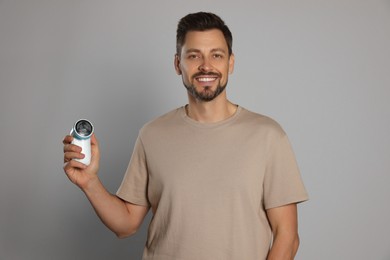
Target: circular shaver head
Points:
x,y
83,129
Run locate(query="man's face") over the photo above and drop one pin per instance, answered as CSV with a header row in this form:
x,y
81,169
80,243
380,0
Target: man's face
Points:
x,y
204,64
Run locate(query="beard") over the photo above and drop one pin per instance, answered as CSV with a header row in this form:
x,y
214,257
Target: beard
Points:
x,y
207,94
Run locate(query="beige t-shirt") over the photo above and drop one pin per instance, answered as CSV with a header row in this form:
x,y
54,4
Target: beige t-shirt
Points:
x,y
209,185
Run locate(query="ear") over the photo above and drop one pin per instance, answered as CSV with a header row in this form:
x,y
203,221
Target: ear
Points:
x,y
231,63
177,64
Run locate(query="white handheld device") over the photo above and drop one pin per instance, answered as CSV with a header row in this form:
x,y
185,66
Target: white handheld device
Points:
x,y
82,132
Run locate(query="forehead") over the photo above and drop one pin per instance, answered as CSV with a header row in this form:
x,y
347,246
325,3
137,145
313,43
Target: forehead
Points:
x,y
210,39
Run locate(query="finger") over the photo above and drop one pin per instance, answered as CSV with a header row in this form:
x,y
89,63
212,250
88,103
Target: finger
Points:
x,y
94,147
94,140
72,164
72,148
67,139
72,155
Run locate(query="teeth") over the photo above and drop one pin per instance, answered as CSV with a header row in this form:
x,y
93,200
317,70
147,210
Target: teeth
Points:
x,y
206,79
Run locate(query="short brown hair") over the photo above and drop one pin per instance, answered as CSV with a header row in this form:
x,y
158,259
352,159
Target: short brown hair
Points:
x,y
201,21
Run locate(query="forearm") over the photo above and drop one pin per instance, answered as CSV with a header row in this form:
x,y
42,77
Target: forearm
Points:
x,y
284,247
110,209
119,216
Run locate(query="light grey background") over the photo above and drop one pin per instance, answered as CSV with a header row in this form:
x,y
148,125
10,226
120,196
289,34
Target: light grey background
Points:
x,y
320,68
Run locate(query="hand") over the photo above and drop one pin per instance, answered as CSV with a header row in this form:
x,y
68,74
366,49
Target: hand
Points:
x,y
77,172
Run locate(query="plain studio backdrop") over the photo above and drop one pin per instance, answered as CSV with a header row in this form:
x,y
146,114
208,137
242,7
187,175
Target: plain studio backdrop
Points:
x,y
320,68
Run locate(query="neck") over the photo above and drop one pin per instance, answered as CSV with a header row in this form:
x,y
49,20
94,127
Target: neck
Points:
x,y
210,112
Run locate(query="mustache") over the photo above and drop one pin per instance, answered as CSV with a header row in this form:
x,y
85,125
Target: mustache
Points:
x,y
198,74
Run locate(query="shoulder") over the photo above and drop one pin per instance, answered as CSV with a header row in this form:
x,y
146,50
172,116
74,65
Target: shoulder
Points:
x,y
260,122
162,122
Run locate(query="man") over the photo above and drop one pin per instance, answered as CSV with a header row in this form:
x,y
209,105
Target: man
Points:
x,y
221,181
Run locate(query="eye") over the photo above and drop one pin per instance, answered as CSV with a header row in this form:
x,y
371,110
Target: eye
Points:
x,y
193,56
217,56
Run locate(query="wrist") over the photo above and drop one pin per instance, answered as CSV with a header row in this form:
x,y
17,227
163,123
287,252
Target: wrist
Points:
x,y
91,185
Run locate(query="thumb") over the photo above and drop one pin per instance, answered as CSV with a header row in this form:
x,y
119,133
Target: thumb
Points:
x,y
94,140
94,147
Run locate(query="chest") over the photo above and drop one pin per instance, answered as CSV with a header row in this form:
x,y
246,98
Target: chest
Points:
x,y
207,166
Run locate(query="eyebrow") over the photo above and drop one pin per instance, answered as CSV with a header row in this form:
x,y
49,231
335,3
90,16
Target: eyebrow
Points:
x,y
213,50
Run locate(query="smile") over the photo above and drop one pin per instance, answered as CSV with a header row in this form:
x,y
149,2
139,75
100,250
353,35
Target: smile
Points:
x,y
206,79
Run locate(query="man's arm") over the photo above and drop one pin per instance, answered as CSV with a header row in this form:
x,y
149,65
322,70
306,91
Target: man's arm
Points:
x,y
121,217
284,224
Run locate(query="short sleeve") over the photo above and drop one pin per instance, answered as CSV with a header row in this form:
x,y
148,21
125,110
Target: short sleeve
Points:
x,y
282,180
135,182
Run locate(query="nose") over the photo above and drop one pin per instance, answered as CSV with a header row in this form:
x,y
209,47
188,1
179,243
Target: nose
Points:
x,y
205,66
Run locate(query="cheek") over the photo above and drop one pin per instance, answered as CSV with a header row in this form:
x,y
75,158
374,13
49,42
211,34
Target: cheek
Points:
x,y
187,72
186,77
